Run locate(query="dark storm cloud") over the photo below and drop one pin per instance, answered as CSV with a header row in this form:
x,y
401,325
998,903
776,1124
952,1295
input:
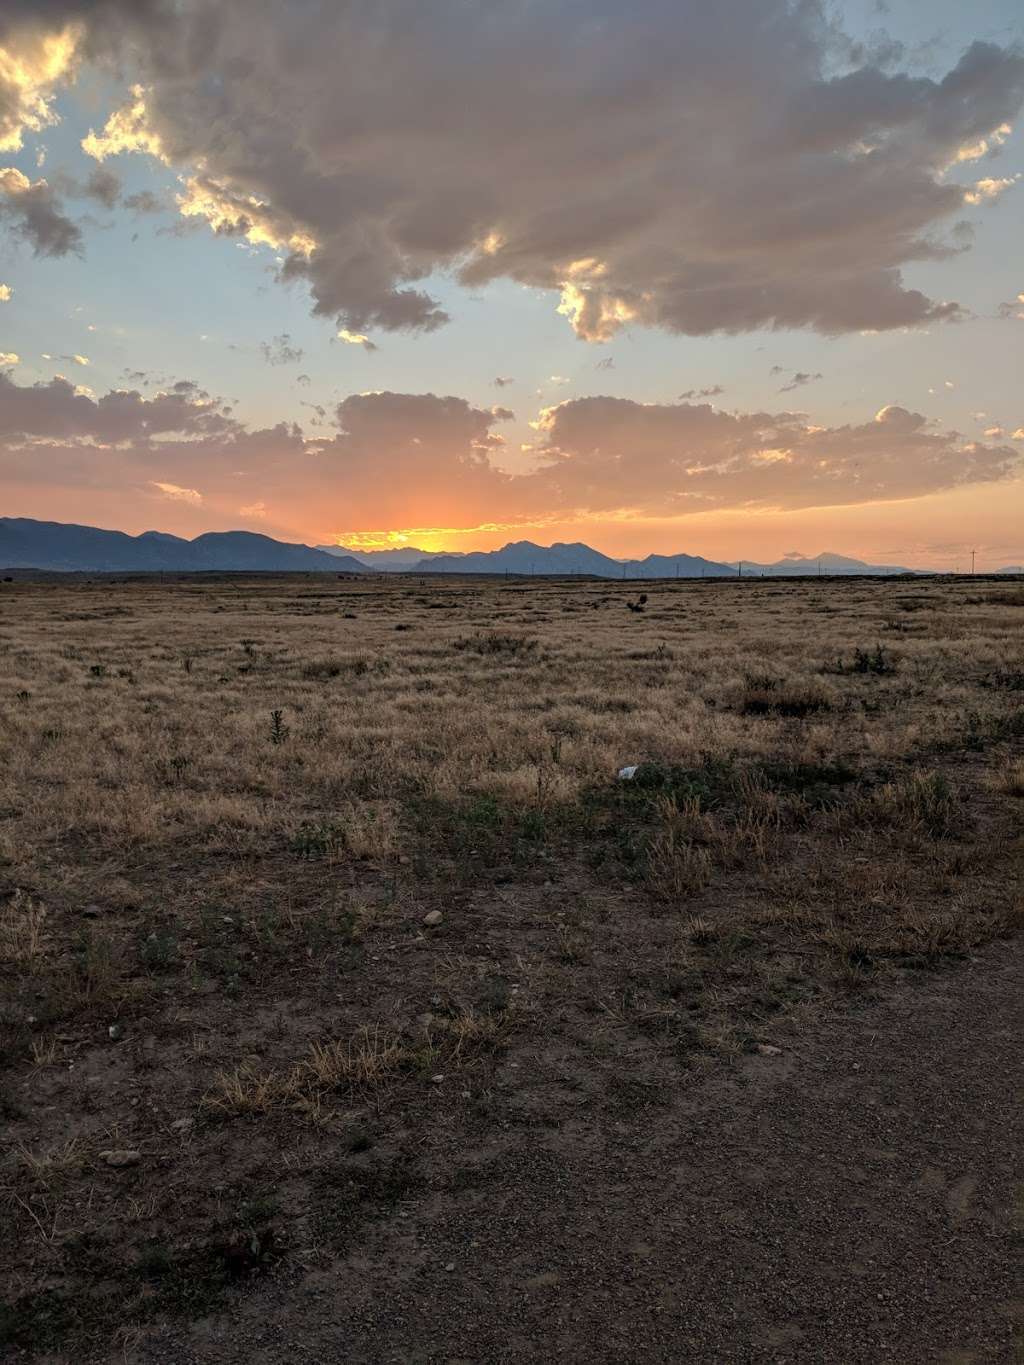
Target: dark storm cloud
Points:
x,y
558,146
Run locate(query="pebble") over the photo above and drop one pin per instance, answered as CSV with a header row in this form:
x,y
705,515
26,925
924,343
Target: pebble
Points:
x,y
435,917
115,1031
768,1050
121,1159
91,911
450,1266
184,1125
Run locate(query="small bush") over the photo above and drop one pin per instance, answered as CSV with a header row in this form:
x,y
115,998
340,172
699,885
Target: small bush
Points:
x,y
772,697
319,669
875,661
924,802
492,642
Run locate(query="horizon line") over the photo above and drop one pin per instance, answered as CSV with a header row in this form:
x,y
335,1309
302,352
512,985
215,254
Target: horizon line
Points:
x,y
1004,561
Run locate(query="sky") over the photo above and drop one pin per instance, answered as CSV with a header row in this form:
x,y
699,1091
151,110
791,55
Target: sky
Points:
x,y
737,280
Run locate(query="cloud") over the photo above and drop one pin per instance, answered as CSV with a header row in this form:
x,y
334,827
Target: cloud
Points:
x,y
559,149
145,201
280,351
607,363
393,459
77,359
502,381
8,358
52,411
609,453
1013,309
127,130
32,63
172,490
711,392
989,189
5,293
799,379
355,339
254,510
36,213
104,185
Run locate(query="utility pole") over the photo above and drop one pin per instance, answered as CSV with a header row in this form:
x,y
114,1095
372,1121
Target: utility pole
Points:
x,y
739,569
973,553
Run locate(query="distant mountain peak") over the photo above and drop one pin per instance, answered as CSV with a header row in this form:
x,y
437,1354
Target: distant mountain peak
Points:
x,y
64,548
58,547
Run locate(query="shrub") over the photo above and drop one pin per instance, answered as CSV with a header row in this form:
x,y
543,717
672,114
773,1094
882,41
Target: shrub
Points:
x,y
493,642
771,696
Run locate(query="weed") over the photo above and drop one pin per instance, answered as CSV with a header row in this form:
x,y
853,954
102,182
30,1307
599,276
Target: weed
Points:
x,y
770,696
317,670
876,661
22,931
494,642
922,801
316,842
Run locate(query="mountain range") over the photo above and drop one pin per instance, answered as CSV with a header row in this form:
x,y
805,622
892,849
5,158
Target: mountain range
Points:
x,y
524,557
57,546
63,548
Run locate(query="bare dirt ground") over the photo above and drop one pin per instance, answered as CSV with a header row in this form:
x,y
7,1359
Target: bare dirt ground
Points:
x,y
857,1198
352,1009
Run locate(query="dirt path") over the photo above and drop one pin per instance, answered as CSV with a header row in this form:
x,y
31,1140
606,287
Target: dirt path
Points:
x,y
855,1199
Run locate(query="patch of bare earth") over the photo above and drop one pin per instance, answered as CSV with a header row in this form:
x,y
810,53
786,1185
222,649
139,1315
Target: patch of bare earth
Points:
x,y
333,955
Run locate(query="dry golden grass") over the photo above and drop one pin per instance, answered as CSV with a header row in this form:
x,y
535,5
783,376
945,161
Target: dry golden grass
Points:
x,y
228,807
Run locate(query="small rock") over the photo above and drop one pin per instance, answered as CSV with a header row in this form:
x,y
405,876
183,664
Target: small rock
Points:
x,y
437,1079
184,1125
450,1266
226,919
91,911
435,917
768,1050
628,773
120,1159
115,1031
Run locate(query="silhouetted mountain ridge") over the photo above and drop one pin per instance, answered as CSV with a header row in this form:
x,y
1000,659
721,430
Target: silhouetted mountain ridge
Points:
x,y
67,548
63,547
524,557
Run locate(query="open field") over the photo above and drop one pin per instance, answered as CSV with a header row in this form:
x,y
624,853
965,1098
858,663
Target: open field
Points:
x,y
228,808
